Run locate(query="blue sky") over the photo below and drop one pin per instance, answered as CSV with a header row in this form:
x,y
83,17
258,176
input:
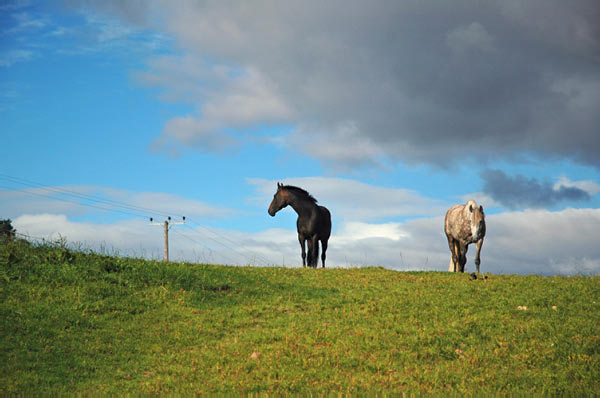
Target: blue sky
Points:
x,y
387,114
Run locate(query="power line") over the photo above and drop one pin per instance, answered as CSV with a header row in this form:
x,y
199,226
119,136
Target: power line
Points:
x,y
73,202
203,245
93,198
27,192
227,246
124,208
255,255
30,237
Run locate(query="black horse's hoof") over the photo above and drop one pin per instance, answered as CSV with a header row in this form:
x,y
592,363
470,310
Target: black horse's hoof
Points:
x,y
473,276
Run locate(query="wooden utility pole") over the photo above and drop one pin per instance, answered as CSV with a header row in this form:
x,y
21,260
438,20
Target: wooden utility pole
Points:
x,y
165,225
166,241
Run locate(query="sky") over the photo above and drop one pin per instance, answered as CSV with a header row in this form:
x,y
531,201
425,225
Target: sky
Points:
x,y
387,112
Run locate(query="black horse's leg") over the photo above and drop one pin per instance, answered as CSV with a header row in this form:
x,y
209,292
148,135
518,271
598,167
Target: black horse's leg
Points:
x,y
324,247
315,252
310,252
302,240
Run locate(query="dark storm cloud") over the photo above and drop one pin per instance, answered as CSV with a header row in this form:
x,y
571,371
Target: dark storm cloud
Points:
x,y
422,82
520,192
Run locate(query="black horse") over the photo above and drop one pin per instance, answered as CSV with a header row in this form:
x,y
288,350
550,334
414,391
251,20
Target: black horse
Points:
x,y
314,221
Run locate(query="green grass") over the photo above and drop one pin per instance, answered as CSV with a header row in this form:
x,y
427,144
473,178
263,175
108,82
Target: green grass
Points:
x,y
72,321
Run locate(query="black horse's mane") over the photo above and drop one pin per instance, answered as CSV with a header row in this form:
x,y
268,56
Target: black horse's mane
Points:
x,y
301,192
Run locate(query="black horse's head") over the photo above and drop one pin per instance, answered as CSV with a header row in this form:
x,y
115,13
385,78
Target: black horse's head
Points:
x,y
279,200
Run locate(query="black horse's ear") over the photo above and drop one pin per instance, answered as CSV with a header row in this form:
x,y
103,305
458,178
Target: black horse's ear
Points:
x,y
481,208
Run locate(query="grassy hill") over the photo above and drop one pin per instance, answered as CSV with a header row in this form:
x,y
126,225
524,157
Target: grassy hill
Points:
x,y
72,321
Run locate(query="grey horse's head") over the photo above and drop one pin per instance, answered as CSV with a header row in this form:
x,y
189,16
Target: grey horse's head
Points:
x,y
476,215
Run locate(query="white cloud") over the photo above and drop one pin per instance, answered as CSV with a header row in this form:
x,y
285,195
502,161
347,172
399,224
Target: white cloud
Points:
x,y
11,57
200,133
342,147
354,200
414,245
128,238
167,203
527,242
532,241
354,230
11,5
24,21
79,201
182,78
541,241
589,186
481,198
247,99
101,33
226,99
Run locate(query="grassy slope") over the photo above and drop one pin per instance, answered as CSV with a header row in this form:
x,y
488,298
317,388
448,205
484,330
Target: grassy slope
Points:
x,y
81,322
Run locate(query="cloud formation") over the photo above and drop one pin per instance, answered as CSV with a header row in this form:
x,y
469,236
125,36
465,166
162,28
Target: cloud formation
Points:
x,y
82,200
9,58
522,192
196,133
590,187
127,238
352,200
235,101
523,242
415,81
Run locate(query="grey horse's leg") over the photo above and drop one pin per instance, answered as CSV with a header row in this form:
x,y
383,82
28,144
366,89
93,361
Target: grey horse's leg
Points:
x,y
453,257
301,239
477,251
457,256
462,260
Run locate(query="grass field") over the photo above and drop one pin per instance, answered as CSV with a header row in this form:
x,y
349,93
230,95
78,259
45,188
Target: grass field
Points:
x,y
72,321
